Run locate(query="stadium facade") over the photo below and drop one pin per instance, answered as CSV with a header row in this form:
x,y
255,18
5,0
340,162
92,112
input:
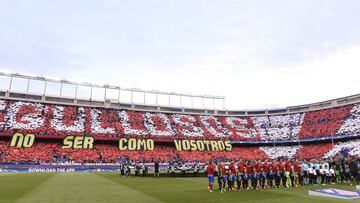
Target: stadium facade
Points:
x,y
42,128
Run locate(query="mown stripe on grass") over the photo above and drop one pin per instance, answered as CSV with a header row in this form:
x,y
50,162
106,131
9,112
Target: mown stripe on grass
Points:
x,y
9,174
15,185
110,187
194,190
167,189
83,188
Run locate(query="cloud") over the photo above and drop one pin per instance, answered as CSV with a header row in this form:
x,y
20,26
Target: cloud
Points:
x,y
259,55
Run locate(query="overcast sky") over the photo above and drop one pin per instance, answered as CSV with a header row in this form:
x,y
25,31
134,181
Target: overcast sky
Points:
x,y
258,54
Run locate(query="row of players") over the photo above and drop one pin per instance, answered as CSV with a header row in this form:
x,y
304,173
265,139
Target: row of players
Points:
x,y
257,174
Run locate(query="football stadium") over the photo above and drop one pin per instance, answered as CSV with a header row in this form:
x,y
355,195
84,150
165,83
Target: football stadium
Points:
x,y
179,101
109,151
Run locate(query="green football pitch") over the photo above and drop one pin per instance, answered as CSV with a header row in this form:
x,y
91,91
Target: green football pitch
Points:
x,y
110,187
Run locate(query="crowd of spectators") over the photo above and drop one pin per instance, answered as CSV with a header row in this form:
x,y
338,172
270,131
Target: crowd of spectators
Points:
x,y
2,113
240,128
279,127
313,151
280,151
56,120
326,122
46,152
67,119
351,148
351,125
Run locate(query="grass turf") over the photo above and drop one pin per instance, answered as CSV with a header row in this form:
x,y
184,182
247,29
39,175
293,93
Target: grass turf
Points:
x,y
110,187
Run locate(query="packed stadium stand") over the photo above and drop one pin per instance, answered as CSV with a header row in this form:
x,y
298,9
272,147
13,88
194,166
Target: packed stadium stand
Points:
x,y
56,121
304,135
50,152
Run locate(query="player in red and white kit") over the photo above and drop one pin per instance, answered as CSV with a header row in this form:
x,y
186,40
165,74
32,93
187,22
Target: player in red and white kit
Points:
x,y
266,167
223,173
232,179
210,170
296,167
240,167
